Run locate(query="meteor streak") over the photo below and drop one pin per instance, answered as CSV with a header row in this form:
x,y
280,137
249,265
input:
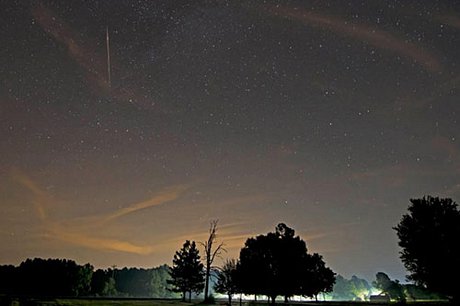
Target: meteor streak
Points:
x,y
109,77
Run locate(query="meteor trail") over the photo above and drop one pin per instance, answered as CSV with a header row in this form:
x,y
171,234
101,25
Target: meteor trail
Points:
x,y
109,78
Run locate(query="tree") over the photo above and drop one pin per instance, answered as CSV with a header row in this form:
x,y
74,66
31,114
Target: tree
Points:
x,y
53,277
159,281
428,236
393,288
278,264
343,289
318,278
414,292
187,273
360,288
210,254
226,279
354,289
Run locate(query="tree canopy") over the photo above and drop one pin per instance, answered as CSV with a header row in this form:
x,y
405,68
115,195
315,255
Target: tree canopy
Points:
x,y
393,288
428,236
46,277
227,282
354,289
187,272
278,264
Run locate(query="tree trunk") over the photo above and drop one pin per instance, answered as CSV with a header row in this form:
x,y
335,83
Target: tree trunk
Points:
x,y
210,254
286,299
190,296
184,294
230,300
206,280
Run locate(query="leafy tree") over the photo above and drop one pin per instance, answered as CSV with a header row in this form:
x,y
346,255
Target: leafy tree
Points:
x,y
133,282
83,277
187,274
278,264
393,288
210,254
360,288
159,281
110,288
53,277
343,289
354,289
428,236
319,278
414,292
226,279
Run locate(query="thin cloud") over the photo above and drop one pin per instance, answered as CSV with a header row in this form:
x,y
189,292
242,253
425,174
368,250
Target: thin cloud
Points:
x,y
88,241
81,231
62,33
165,196
362,32
40,198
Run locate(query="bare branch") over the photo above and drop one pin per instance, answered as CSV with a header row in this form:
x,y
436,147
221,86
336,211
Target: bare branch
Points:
x,y
209,253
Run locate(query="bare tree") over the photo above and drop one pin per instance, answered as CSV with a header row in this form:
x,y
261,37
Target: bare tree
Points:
x,y
210,254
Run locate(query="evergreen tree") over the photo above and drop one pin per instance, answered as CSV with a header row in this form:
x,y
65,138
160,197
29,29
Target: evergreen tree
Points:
x,y
187,272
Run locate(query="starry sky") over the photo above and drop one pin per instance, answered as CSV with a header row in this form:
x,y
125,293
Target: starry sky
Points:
x,y
326,115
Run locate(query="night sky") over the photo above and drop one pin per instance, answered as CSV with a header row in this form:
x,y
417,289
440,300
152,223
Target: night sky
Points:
x,y
325,115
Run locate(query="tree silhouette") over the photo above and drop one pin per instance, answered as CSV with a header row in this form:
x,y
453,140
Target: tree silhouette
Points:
x,y
210,254
393,288
428,236
356,289
318,278
226,279
278,264
52,277
187,273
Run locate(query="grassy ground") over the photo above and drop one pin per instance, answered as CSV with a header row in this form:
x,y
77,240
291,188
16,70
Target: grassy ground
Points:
x,y
89,302
115,303
153,302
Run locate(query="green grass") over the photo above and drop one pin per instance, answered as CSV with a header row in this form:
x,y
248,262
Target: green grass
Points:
x,y
155,302
98,302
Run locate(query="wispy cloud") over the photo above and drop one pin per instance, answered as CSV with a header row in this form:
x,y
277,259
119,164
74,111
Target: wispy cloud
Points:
x,y
76,237
63,33
40,198
162,197
82,231
378,38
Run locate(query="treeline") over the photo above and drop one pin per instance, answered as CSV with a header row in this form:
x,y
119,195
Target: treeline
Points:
x,y
358,289
50,277
61,277
276,264
132,282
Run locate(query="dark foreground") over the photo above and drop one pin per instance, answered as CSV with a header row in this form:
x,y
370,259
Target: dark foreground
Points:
x,y
171,302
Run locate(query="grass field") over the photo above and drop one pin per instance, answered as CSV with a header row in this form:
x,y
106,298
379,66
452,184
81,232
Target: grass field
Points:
x,y
159,302
63,302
